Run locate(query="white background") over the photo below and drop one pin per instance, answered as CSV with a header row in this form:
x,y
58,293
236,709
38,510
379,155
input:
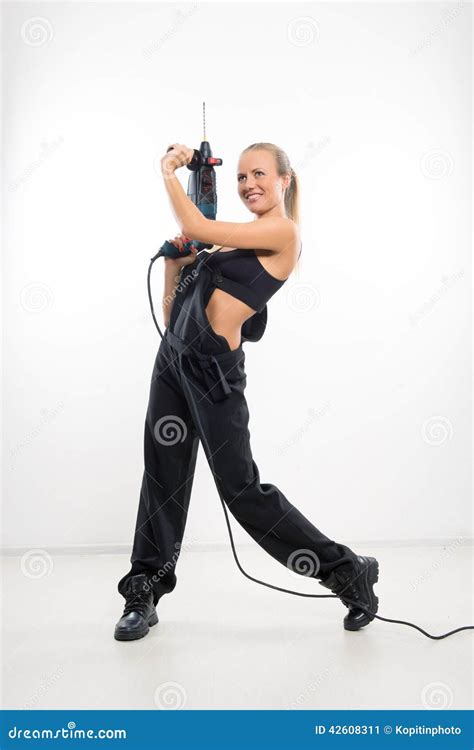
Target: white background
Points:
x,y
372,105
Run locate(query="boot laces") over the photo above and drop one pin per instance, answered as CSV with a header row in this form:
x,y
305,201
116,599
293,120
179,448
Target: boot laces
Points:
x,y
351,594
136,602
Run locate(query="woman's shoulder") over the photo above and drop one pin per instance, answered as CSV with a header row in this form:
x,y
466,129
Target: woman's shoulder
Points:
x,y
294,234
280,263
293,230
288,229
284,221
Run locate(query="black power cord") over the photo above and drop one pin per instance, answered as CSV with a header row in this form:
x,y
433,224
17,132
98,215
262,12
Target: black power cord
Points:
x,y
251,578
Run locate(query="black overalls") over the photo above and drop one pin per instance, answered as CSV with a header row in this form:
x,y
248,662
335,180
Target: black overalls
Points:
x,y
197,394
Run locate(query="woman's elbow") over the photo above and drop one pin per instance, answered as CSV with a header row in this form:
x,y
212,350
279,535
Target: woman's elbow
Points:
x,y
195,230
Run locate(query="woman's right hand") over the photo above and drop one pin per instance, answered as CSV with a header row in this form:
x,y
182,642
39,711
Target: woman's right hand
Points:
x,y
185,260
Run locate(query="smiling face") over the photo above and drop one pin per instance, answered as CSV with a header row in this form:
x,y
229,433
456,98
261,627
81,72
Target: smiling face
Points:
x,y
260,187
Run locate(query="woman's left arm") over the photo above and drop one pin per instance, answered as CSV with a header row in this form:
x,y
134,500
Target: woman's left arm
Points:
x,y
272,233
275,233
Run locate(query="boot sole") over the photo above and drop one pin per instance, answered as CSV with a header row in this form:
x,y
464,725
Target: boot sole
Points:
x,y
133,635
372,577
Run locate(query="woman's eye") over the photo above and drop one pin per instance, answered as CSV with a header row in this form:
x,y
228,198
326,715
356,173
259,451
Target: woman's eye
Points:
x,y
257,172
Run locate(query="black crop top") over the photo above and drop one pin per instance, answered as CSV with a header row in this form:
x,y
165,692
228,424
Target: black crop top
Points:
x,y
244,277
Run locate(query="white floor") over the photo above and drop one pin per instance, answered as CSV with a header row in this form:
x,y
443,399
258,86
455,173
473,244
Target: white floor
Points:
x,y
226,642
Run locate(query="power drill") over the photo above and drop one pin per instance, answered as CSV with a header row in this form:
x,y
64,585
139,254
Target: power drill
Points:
x,y
201,190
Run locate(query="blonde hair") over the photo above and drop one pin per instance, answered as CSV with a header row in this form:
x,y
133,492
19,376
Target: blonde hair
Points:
x,y
292,192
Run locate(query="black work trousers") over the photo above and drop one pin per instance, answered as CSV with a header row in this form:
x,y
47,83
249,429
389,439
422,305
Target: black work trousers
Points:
x,y
198,396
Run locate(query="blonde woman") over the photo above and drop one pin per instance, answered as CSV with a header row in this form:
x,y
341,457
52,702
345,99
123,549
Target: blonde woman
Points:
x,y
214,301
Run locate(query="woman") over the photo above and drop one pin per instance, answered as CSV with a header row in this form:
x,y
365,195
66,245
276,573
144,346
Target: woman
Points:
x,y
214,302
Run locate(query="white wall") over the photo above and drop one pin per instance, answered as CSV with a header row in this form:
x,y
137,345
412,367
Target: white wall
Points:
x,y
372,104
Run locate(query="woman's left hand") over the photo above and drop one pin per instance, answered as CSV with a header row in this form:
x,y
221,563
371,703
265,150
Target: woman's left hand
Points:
x,y
179,156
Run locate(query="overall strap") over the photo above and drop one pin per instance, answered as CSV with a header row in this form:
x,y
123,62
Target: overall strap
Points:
x,y
240,291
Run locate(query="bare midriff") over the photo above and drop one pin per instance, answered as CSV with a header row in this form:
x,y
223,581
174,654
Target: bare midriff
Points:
x,y
227,314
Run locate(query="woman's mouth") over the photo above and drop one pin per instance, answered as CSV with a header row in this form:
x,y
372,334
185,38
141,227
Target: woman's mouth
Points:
x,y
253,197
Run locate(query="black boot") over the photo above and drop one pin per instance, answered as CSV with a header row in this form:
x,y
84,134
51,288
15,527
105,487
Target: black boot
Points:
x,y
139,611
353,584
